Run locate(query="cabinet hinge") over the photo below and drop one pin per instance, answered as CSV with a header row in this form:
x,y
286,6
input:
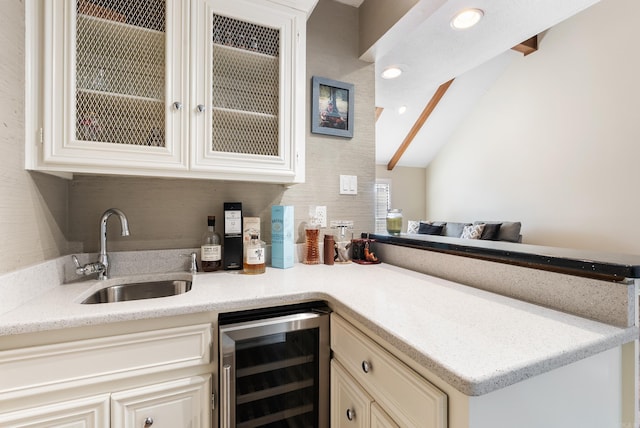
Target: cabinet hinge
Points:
x,y
213,401
41,136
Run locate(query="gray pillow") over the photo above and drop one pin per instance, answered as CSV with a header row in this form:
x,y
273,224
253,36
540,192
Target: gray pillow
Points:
x,y
454,230
510,231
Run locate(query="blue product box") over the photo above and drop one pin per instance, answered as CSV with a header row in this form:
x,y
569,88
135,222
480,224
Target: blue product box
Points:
x,y
282,237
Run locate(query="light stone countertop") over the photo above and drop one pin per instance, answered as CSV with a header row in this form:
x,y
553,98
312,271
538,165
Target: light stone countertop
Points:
x,y
474,340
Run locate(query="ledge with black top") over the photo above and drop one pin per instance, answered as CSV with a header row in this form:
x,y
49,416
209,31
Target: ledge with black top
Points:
x,y
591,264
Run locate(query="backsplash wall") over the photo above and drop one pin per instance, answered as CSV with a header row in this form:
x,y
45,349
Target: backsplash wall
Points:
x,y
33,206
171,213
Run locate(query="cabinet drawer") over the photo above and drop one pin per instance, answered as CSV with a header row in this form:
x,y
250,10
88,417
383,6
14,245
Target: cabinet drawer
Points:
x,y
107,358
405,395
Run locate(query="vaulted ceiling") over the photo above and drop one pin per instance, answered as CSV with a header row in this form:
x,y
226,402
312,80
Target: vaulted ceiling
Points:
x,y
423,44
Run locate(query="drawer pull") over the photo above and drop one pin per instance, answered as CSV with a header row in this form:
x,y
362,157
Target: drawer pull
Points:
x,y
351,414
148,422
366,366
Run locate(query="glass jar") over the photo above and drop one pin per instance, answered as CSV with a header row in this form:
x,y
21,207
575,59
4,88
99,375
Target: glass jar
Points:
x,y
312,247
394,221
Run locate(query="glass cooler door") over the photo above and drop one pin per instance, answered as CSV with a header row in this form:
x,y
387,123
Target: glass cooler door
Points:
x,y
274,372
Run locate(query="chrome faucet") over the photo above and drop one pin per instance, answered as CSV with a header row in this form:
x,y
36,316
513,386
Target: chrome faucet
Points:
x,y
103,257
101,267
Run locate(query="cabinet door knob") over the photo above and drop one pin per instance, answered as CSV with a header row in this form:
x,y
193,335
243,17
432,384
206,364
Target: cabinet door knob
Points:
x,y
148,422
177,105
366,366
201,108
351,414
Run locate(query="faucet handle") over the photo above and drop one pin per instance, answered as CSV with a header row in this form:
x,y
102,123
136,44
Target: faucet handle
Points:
x,y
193,268
87,269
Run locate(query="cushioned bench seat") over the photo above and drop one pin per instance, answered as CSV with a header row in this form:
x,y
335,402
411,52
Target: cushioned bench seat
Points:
x,y
487,230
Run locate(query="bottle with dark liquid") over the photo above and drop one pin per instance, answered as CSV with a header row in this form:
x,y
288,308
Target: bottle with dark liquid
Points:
x,y
211,249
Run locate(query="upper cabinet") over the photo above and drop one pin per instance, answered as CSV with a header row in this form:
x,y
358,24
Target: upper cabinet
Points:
x,y
198,89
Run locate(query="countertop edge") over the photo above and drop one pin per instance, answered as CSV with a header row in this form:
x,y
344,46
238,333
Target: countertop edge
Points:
x,y
468,386
482,386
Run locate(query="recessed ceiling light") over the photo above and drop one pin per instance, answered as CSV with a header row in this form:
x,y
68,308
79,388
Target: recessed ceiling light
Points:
x,y
402,109
391,72
466,18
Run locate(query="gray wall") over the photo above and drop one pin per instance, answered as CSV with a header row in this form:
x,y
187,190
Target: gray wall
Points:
x,y
169,213
33,207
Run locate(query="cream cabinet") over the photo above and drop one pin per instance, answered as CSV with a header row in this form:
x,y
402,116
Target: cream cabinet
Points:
x,y
159,377
196,89
389,393
350,404
89,412
379,419
181,403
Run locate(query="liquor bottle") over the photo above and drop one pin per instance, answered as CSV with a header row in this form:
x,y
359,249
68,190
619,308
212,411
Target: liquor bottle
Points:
x,y
211,250
254,254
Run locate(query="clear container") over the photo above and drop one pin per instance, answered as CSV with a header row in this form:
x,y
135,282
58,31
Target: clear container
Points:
x,y
254,256
394,221
312,247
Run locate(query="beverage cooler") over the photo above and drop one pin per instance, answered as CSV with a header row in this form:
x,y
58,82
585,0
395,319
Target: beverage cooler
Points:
x,y
274,367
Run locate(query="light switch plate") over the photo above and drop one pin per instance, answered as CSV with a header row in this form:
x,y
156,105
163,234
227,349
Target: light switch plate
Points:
x,y
348,184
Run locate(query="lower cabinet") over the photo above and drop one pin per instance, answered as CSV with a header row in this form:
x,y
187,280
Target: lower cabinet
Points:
x,y
372,388
89,412
379,419
160,378
351,406
181,403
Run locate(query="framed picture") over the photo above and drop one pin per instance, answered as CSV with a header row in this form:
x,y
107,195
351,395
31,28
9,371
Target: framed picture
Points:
x,y
332,107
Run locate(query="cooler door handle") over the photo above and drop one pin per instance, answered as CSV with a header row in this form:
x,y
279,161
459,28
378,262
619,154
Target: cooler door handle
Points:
x,y
225,410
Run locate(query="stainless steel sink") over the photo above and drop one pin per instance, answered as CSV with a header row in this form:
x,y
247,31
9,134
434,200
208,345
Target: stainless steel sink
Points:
x,y
138,291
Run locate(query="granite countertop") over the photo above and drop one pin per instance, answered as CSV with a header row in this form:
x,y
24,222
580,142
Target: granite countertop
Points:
x,y
474,340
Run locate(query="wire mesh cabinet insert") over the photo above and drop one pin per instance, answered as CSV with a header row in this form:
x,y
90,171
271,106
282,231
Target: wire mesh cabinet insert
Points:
x,y
111,86
201,89
250,86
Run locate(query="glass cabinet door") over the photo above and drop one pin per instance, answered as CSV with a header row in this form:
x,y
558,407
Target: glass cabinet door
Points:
x,y
115,84
245,79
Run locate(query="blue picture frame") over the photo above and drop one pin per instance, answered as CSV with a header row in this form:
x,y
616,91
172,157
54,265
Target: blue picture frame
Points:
x,y
332,107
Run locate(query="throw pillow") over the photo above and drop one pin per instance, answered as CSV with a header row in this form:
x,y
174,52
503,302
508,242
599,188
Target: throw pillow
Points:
x,y
454,230
490,231
510,231
472,232
413,226
430,229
